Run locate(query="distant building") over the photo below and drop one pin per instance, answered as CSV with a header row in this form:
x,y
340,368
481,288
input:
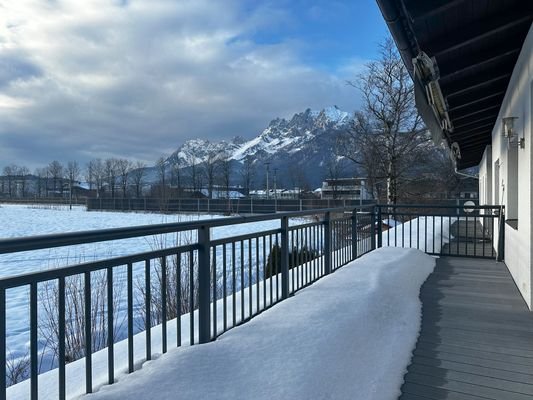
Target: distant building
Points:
x,y
222,194
345,189
277,194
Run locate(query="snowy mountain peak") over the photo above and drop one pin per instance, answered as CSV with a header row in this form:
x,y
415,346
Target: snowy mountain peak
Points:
x,y
306,136
335,114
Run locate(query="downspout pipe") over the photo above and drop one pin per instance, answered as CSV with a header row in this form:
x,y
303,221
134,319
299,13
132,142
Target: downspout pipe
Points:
x,y
457,172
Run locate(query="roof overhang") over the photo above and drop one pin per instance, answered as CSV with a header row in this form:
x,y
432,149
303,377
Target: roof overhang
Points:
x,y
473,46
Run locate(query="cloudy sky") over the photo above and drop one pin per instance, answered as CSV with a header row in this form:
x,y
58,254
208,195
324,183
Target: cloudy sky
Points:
x,y
136,78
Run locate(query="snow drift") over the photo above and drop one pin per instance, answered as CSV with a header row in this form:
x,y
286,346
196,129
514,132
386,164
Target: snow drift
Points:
x,y
350,335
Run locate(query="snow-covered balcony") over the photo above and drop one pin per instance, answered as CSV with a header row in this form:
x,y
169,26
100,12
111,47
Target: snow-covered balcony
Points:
x,y
273,309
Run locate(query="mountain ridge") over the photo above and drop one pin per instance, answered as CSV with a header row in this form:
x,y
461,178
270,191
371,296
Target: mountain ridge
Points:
x,y
300,145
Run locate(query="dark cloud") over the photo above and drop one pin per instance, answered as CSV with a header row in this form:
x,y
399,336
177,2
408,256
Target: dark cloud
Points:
x,y
14,66
135,80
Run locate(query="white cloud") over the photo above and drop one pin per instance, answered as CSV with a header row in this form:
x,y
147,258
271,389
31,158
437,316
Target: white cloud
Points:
x,y
96,78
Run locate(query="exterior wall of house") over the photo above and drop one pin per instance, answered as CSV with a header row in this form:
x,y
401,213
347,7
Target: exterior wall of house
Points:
x,y
505,171
485,177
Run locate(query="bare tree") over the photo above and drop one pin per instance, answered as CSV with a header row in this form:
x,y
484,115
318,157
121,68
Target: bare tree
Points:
x,y
389,128
162,178
89,174
73,174
335,170
8,173
225,172
55,169
111,172
194,174
176,176
247,174
211,164
42,181
98,170
124,168
17,368
137,175
75,314
298,179
23,173
359,146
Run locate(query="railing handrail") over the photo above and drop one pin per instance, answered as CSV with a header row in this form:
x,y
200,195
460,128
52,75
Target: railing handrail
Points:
x,y
19,244
90,266
419,206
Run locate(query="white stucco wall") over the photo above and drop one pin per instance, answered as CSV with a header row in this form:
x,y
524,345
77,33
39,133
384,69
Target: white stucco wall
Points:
x,y
485,177
517,103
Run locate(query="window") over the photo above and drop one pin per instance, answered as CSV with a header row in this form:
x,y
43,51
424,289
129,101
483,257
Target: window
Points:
x,y
497,182
511,189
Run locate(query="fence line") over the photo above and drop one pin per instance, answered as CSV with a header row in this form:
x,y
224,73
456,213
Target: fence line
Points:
x,y
218,283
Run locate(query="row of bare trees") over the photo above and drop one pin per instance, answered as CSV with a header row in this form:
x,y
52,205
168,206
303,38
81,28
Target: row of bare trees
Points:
x,y
113,177
17,181
214,173
121,178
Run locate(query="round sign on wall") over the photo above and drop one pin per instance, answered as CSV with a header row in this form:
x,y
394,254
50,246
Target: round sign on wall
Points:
x,y
468,206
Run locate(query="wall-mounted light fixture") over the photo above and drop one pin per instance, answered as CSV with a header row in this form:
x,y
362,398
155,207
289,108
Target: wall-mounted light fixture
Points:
x,y
509,131
508,127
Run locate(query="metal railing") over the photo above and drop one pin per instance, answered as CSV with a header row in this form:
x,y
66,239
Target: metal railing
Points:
x,y
465,231
211,285
192,292
221,206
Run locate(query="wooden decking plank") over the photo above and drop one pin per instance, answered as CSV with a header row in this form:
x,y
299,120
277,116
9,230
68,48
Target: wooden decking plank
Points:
x,y
465,387
468,339
476,338
447,351
468,368
518,339
473,379
434,393
441,358
477,346
510,329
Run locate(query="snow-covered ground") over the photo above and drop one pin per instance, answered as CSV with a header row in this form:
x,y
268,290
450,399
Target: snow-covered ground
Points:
x,y
427,233
348,336
24,220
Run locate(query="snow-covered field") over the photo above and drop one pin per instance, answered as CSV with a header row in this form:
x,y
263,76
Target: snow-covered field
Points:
x,y
348,336
23,220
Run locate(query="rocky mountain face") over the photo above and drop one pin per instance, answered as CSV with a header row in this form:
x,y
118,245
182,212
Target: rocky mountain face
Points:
x,y
297,151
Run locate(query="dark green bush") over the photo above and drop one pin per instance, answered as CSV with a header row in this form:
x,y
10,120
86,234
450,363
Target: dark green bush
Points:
x,y
296,257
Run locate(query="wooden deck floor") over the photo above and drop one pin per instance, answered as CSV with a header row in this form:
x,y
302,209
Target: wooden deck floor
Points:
x,y
476,339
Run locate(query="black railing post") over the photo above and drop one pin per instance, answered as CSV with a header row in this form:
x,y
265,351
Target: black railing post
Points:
x,y
373,228
204,285
284,257
354,234
379,226
3,348
327,243
501,236
88,333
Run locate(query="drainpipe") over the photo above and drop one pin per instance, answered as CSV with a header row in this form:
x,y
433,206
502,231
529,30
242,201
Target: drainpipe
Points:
x,y
465,175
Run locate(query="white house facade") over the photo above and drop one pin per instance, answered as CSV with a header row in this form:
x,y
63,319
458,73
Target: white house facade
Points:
x,y
505,171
